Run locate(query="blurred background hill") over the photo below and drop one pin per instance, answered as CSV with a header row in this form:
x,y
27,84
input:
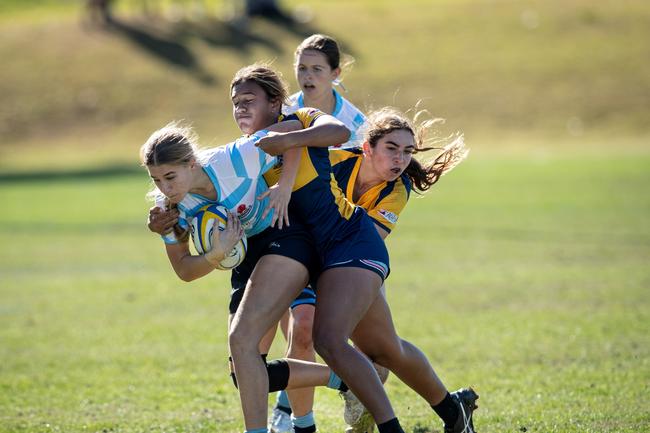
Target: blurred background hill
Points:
x,y
513,75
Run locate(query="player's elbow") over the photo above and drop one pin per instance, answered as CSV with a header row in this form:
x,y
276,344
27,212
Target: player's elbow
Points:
x,y
340,132
185,275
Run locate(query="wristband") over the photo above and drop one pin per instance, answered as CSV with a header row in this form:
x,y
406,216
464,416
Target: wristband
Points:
x,y
169,238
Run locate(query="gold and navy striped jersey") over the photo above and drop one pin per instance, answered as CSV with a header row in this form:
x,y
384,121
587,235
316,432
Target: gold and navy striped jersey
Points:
x,y
384,201
316,197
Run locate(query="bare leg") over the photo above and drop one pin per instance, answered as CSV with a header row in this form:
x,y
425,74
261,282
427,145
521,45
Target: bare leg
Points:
x,y
344,296
267,296
267,340
301,347
375,336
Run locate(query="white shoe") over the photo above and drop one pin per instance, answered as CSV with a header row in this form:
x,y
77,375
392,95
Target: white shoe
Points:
x,y
353,408
280,422
365,424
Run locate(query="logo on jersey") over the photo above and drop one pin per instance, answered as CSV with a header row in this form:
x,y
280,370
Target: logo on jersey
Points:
x,y
243,212
389,216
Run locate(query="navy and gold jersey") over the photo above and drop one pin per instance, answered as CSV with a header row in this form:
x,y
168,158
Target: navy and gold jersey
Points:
x,y
383,202
316,197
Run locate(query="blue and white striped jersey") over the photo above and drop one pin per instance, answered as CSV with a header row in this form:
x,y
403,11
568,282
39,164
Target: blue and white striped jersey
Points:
x,y
344,111
236,171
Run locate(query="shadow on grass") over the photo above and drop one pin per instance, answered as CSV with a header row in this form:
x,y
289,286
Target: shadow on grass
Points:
x,y
167,47
169,41
115,170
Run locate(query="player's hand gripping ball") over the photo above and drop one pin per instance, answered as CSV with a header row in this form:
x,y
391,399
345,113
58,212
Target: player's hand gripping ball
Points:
x,y
204,223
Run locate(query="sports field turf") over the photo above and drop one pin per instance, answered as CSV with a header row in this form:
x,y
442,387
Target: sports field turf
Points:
x,y
526,278
524,273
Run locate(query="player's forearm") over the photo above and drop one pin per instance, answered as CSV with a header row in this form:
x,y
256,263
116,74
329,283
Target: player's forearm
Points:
x,y
188,267
290,165
323,135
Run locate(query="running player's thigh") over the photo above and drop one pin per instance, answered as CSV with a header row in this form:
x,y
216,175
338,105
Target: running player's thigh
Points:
x,y
375,333
344,296
273,285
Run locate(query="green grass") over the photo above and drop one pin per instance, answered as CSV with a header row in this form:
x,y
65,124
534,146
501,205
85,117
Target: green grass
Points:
x,y
524,277
524,273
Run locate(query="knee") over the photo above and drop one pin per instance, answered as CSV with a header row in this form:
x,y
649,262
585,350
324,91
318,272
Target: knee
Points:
x,y
241,339
328,345
388,353
301,338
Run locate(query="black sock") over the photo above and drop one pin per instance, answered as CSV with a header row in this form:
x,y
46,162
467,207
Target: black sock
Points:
x,y
391,426
310,429
447,410
284,409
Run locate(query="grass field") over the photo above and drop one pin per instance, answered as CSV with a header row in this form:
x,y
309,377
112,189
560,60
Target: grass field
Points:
x,y
523,273
527,279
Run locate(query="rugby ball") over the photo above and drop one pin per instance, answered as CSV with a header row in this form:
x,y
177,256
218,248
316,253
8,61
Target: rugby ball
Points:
x,y
204,223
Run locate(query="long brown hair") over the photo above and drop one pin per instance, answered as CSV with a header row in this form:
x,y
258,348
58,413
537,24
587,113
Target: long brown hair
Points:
x,y
172,144
421,174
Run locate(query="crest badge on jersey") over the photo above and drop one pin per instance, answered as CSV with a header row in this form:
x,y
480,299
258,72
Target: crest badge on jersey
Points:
x,y
389,216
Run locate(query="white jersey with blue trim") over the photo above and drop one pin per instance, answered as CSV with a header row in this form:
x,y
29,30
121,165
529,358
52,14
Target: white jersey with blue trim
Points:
x,y
236,171
344,111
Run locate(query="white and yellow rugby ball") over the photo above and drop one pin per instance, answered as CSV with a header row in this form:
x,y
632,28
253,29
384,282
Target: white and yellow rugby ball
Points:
x,y
203,224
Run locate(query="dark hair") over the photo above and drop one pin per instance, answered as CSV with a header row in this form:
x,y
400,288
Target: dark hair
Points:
x,y
422,175
323,44
268,79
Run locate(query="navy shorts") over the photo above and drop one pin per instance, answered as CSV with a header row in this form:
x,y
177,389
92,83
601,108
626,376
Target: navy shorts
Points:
x,y
359,246
294,242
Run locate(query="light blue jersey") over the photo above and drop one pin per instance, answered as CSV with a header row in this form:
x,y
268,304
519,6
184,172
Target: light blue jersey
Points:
x,y
236,171
344,110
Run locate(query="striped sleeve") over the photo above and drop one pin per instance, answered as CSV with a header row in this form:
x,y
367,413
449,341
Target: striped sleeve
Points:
x,y
249,160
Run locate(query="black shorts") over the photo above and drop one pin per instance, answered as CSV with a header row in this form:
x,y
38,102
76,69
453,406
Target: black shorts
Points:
x,y
294,242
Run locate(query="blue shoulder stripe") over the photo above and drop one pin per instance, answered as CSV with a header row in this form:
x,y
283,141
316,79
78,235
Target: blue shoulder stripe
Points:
x,y
359,119
339,103
213,177
237,162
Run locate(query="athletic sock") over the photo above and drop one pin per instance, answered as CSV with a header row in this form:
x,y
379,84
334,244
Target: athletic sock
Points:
x,y
391,426
258,430
304,424
336,383
447,410
282,403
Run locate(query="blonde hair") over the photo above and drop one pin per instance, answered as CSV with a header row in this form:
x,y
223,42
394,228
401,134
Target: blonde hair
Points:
x,y
267,78
421,174
173,144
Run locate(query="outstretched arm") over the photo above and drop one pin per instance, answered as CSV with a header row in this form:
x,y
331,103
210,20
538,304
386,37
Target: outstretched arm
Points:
x,y
326,131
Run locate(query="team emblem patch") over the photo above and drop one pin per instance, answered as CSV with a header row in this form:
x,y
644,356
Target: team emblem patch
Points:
x,y
389,216
243,210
